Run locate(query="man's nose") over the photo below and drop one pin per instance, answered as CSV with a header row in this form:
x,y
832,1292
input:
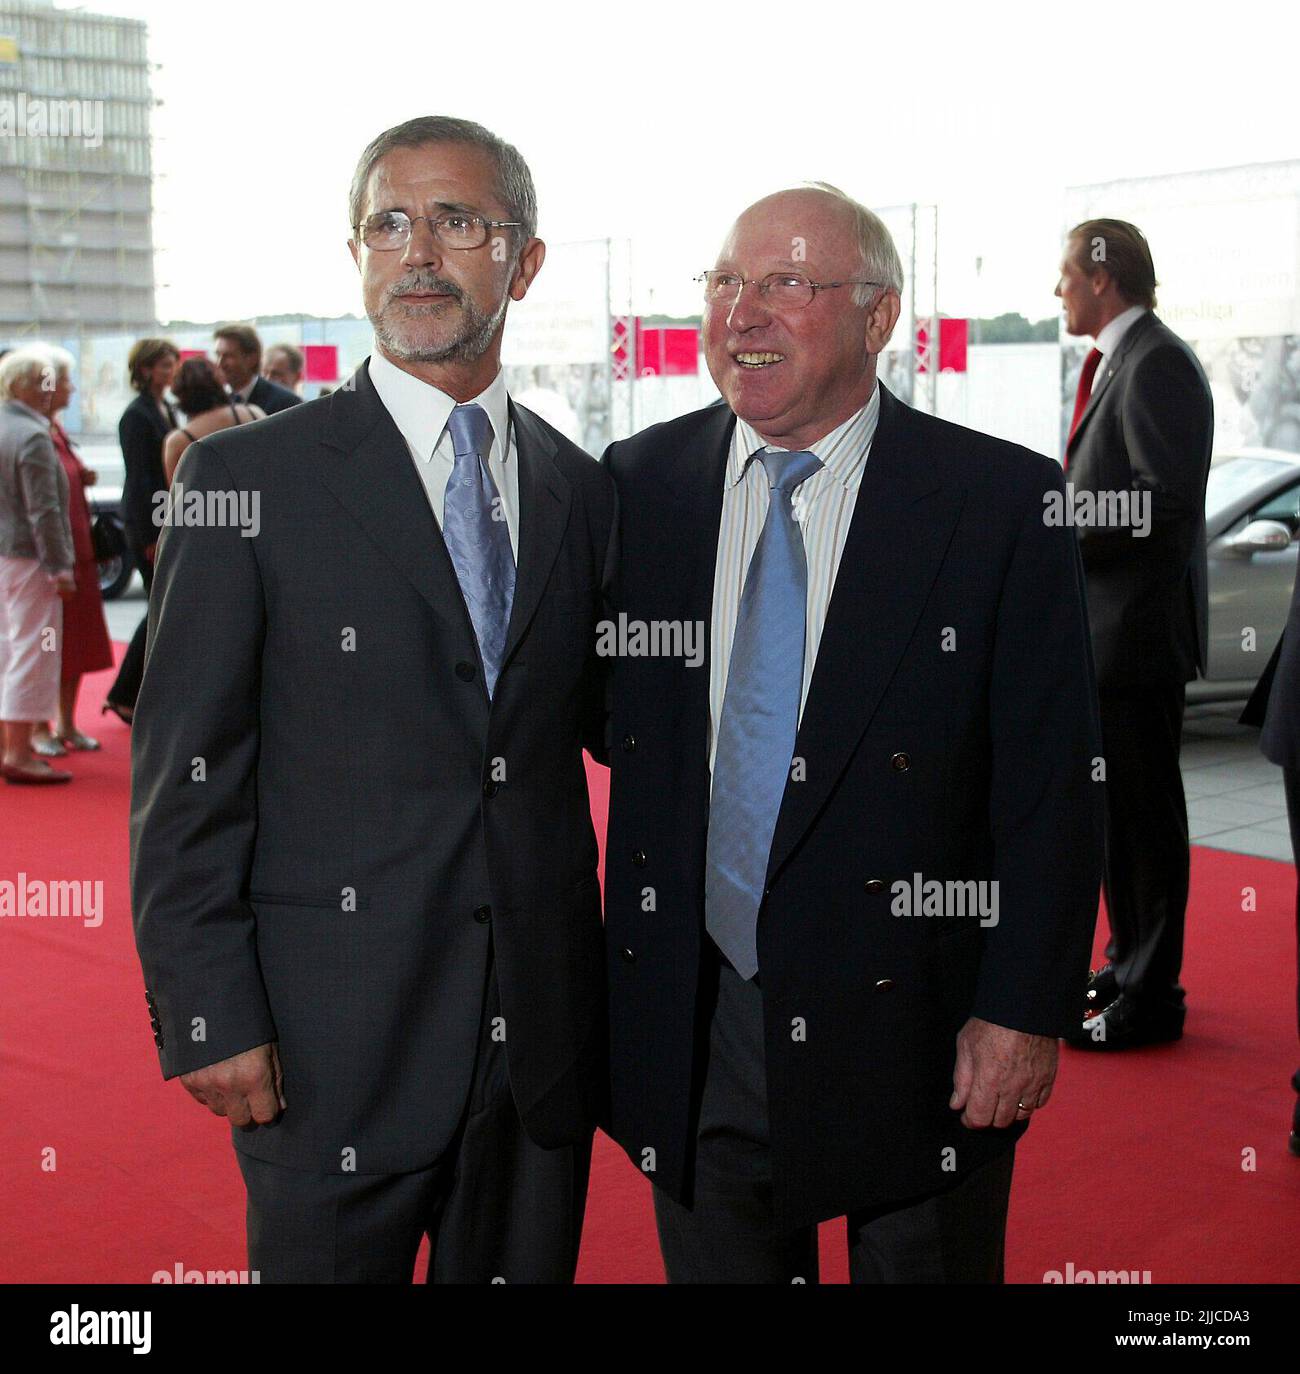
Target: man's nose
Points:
x,y
422,248
749,309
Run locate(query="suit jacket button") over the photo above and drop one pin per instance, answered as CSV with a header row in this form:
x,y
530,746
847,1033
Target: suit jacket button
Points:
x,y
490,788
629,743
884,985
639,859
628,956
465,671
482,914
901,762
875,885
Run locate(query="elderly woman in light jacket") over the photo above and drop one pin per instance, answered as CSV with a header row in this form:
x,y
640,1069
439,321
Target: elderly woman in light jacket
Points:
x,y
36,562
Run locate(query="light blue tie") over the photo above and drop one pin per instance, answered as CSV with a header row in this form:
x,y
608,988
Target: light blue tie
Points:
x,y
760,719
478,539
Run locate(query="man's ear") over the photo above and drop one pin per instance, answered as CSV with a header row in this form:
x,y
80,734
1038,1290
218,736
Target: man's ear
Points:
x,y
528,266
881,319
355,249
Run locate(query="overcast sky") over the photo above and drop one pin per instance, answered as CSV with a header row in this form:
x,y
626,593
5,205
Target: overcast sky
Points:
x,y
658,120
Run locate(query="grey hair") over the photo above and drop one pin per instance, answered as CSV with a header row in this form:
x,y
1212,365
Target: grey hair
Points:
x,y
64,363
880,260
30,363
514,186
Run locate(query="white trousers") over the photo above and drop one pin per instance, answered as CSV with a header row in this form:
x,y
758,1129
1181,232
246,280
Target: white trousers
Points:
x,y
31,641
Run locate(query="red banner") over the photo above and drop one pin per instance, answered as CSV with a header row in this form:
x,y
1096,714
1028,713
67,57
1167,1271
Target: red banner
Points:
x,y
953,335
321,362
667,351
661,350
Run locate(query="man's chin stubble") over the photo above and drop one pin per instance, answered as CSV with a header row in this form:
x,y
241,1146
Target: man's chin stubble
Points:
x,y
468,346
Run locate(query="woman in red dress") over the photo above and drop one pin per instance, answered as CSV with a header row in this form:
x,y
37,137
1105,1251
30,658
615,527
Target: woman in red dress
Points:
x,y
86,645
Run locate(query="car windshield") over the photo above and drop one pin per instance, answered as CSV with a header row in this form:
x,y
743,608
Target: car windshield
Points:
x,y
1236,478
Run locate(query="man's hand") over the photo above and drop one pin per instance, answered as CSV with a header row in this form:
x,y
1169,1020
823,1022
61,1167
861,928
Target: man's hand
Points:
x,y
65,584
247,1087
996,1070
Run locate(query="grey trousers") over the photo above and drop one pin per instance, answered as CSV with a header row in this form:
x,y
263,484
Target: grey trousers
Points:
x,y
496,1206
728,1233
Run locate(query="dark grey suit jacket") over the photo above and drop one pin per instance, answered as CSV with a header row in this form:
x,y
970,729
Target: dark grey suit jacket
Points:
x,y
1275,702
272,397
1148,427
141,432
331,827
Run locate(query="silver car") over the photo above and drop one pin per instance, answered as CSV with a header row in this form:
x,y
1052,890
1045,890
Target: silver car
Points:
x,y
1252,519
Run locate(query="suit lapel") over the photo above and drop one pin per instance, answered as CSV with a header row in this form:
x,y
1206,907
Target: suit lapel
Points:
x,y
903,521
695,480
1106,372
544,501
367,465
151,413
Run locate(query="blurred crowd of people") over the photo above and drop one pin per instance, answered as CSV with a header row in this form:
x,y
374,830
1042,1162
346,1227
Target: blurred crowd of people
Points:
x,y
52,626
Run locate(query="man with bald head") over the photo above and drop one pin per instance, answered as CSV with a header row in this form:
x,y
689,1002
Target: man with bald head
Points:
x,y
854,854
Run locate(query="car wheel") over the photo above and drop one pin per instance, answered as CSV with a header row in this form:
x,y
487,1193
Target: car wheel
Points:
x,y
114,576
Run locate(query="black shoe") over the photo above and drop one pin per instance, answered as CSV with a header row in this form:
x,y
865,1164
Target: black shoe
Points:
x,y
123,713
1124,1025
1101,989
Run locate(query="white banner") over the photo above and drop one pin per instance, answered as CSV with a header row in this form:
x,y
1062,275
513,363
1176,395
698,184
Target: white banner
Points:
x,y
1226,245
564,319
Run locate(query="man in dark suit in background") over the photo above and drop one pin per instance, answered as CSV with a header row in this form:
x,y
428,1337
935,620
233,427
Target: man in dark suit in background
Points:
x,y
886,692
1275,705
1137,461
238,353
363,865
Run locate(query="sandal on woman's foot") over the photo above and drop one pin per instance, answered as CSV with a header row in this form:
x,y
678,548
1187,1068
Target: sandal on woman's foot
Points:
x,y
47,747
76,740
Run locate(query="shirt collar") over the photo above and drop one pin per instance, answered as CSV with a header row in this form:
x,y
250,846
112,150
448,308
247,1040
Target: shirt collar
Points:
x,y
244,391
421,411
843,451
1108,339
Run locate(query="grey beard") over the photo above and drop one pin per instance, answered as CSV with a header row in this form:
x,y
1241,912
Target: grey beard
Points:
x,y
473,340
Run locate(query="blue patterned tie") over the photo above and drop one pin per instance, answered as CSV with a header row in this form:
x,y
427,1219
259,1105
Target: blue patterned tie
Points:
x,y
478,539
760,719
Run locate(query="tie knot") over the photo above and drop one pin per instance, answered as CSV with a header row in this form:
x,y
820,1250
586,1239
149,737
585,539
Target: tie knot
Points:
x,y
785,471
469,427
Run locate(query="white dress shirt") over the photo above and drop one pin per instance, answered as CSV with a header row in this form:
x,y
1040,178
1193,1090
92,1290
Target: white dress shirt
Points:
x,y
1108,339
823,505
421,412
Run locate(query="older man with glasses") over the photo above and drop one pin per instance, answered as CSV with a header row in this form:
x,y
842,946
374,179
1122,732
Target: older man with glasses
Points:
x,y
853,860
371,934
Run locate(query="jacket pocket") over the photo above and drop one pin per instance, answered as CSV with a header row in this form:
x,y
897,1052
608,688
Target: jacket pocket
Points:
x,y
323,901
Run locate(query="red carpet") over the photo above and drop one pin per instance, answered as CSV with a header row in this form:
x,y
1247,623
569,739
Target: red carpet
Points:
x,y
1171,1160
